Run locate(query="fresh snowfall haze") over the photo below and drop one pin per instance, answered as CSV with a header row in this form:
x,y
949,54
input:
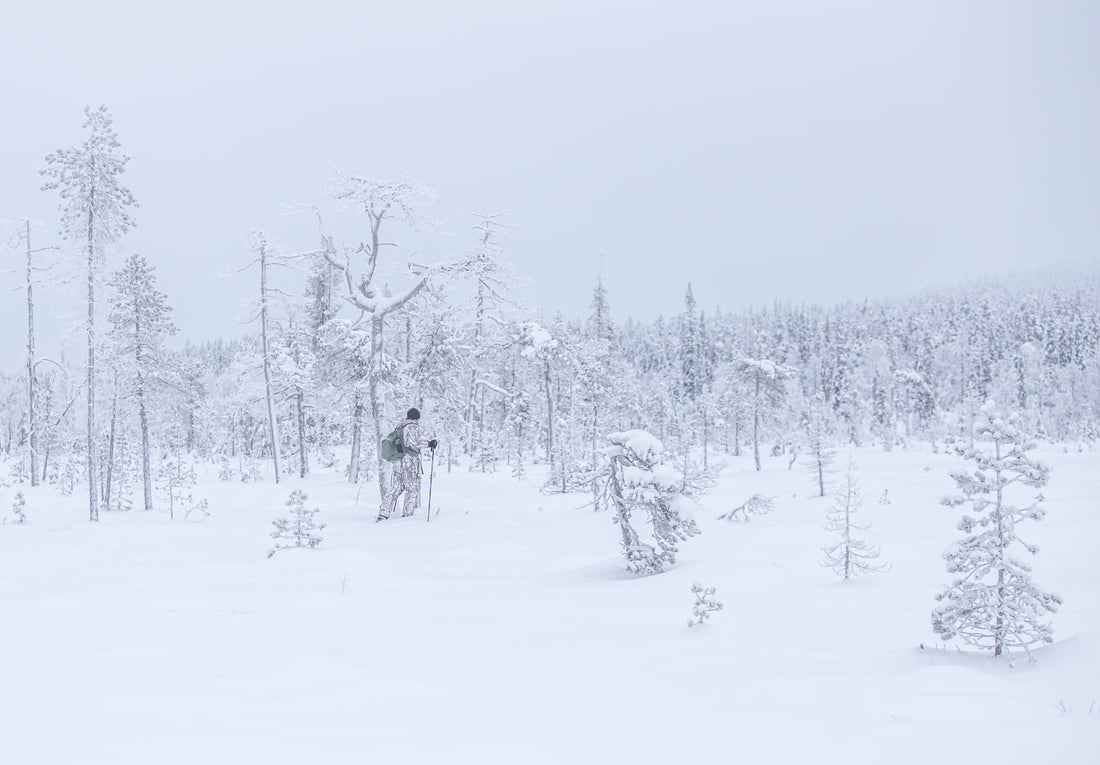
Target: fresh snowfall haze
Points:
x,y
796,151
550,383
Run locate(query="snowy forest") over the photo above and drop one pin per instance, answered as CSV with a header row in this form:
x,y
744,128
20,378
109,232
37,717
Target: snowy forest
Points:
x,y
503,386
704,442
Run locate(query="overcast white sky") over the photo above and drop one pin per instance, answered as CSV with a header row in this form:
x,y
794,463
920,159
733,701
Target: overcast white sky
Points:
x,y
796,150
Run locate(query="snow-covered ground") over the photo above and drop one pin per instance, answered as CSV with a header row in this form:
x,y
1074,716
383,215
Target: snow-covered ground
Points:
x,y
505,631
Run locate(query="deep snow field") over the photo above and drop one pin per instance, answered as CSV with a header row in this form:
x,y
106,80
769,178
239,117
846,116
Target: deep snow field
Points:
x,y
506,631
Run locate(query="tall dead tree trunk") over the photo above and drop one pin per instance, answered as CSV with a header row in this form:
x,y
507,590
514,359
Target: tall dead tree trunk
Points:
x,y
32,389
269,393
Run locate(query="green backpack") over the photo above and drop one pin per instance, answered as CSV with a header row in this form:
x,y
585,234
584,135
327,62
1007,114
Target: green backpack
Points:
x,y
393,445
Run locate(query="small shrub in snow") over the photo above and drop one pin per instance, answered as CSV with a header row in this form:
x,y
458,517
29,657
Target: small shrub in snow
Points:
x,y
705,604
993,602
201,511
884,499
848,556
250,472
225,470
757,504
297,530
637,480
18,508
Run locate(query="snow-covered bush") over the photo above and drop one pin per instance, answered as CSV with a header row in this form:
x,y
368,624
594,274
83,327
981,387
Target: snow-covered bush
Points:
x,y
705,604
637,480
757,504
299,529
848,556
993,602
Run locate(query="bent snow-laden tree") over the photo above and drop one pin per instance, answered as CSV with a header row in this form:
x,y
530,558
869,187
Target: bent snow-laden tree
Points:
x,y
638,480
95,211
993,602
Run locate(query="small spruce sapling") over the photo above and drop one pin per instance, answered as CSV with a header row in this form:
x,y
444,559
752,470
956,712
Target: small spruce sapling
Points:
x,y
705,604
18,508
299,529
993,602
176,478
848,556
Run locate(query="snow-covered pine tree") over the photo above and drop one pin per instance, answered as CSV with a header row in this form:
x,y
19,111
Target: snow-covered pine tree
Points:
x,y
765,382
847,555
140,324
95,210
993,602
637,480
299,529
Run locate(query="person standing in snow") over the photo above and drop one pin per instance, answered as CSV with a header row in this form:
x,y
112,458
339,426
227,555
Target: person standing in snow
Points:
x,y
406,472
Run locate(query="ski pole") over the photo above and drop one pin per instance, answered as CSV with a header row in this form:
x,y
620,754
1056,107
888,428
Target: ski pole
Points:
x,y
431,477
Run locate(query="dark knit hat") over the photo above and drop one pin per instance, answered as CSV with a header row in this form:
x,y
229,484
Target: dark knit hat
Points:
x,y
413,414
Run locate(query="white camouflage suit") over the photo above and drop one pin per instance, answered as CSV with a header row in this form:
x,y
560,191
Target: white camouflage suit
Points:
x,y
406,473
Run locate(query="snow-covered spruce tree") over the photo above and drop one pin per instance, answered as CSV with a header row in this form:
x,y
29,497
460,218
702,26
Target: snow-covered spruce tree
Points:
x,y
993,602
637,480
95,210
140,324
847,555
18,508
815,443
299,529
293,377
766,384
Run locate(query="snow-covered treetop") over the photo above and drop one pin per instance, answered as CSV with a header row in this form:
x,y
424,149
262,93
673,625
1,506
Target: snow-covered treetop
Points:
x,y
398,198
86,179
645,445
764,367
536,339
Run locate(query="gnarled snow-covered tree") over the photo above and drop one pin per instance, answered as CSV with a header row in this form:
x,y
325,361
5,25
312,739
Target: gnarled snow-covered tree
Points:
x,y
383,202
637,480
993,601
